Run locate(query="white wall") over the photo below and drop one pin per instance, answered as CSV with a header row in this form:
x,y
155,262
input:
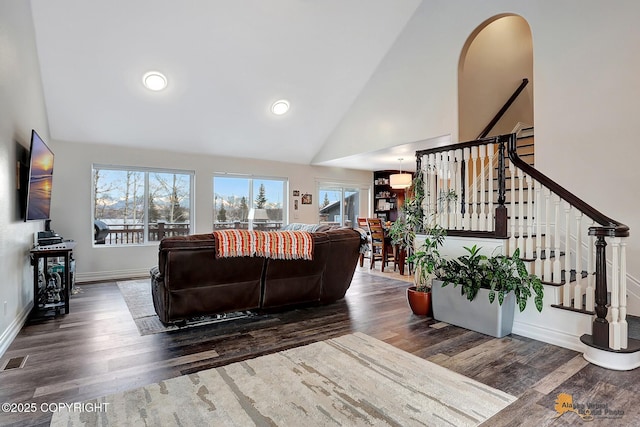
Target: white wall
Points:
x,y
585,88
71,205
21,109
496,61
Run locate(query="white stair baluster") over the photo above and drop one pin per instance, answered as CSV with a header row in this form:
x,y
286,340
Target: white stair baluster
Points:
x,y
538,261
548,238
466,217
490,211
482,220
577,290
521,216
513,214
458,156
590,292
557,265
444,191
451,179
474,188
530,220
624,327
438,192
426,182
432,189
568,286
614,310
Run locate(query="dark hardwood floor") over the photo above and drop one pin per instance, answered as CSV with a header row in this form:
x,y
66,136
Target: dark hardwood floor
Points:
x,y
96,350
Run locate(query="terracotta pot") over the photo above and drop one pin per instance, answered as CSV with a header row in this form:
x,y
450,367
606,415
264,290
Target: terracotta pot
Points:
x,y
420,302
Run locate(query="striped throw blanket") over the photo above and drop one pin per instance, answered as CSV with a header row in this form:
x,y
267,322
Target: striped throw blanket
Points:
x,y
268,244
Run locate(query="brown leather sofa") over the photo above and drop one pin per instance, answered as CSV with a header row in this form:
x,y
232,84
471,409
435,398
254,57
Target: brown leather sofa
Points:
x,y
191,281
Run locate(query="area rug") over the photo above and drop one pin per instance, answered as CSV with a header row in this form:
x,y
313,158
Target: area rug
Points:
x,y
137,295
353,380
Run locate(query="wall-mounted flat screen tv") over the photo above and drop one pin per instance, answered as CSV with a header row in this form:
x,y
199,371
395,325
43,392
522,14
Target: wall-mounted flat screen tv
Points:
x,y
40,180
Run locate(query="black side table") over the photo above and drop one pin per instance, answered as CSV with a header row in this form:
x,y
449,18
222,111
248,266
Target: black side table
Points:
x,y
51,289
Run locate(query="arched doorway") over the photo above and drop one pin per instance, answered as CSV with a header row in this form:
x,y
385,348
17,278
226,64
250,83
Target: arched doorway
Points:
x,y
493,62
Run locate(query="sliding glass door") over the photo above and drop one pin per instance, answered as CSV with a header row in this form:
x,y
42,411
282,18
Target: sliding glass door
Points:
x,y
338,205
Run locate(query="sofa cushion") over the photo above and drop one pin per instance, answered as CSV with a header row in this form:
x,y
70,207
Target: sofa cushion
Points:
x,y
294,282
298,226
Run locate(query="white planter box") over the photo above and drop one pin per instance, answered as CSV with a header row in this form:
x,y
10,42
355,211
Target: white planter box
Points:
x,y
478,315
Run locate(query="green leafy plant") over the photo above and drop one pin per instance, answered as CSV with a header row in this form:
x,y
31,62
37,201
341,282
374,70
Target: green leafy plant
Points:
x,y
467,271
401,232
412,207
509,274
410,215
500,274
427,259
446,199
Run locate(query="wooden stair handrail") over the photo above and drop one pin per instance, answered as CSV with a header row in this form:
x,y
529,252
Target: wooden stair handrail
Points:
x,y
608,227
504,109
500,223
459,146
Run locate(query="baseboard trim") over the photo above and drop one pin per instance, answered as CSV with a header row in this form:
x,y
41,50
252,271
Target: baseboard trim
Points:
x,y
14,328
550,336
98,276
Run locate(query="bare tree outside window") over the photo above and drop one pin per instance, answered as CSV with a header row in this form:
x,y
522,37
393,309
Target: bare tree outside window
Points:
x,y
119,202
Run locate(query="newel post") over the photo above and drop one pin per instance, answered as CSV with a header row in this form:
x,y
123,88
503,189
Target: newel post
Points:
x,y
500,226
600,323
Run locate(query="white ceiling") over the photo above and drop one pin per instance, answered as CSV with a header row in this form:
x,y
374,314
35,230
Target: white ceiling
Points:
x,y
226,62
402,156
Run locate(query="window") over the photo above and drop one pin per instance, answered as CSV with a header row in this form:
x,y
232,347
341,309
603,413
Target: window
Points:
x,y
338,205
137,206
246,202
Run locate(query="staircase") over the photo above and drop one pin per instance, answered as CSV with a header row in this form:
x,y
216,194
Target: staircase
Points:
x,y
489,189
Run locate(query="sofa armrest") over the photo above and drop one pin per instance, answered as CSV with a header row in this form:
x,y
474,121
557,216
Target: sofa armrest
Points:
x,y
341,263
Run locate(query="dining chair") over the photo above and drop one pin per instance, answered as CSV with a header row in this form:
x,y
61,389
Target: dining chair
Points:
x,y
362,223
379,243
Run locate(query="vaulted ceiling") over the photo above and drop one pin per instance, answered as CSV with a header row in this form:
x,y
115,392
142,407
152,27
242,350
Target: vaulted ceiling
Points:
x,y
226,62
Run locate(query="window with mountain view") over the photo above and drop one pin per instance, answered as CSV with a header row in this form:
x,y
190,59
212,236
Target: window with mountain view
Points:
x,y
338,205
138,206
244,202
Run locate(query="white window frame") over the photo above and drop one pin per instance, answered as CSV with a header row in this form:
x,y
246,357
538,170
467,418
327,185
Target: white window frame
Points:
x,y
365,194
146,171
251,196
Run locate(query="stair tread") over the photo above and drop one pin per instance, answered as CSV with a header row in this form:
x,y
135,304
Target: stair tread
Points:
x,y
575,310
572,276
633,345
526,236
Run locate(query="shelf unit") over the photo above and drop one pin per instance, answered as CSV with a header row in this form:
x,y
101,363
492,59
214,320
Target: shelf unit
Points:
x,y
53,271
385,199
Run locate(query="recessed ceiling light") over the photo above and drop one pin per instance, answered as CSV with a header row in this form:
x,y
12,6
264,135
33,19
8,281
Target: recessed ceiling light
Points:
x,y
280,107
154,80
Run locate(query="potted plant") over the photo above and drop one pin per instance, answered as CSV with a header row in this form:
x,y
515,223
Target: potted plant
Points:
x,y
426,260
402,235
480,280
403,230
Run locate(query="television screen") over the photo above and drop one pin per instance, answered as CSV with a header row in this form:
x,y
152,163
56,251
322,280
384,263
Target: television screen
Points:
x,y
40,179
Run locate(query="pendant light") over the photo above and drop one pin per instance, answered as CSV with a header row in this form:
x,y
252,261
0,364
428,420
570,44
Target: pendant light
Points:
x,y
400,181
